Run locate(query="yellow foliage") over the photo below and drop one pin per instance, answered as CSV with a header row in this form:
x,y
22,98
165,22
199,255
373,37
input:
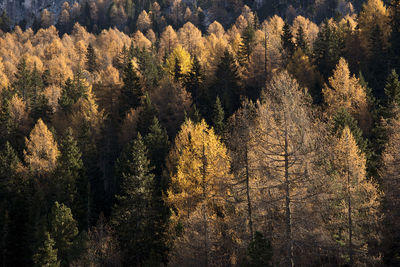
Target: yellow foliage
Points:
x,y
184,58
41,149
202,168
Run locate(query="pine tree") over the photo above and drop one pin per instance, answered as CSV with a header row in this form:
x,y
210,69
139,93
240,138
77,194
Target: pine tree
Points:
x,y
218,118
131,91
177,70
91,59
71,180
301,41
193,83
5,22
259,251
46,254
72,91
287,40
23,80
395,34
63,228
392,92
228,88
247,44
132,215
146,116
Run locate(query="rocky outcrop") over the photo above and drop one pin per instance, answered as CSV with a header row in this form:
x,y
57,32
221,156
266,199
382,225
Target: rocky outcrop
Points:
x,y
18,10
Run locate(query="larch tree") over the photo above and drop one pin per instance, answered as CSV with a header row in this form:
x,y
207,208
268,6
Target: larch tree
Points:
x,y
390,177
41,149
143,22
353,203
345,91
286,144
168,41
200,173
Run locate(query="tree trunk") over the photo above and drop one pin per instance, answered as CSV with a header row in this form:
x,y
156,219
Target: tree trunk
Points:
x,y
289,239
248,193
349,215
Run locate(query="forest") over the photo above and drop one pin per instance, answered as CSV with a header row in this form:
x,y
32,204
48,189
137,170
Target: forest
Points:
x,y
201,133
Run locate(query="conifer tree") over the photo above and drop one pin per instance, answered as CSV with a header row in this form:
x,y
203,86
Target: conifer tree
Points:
x,y
91,59
229,88
23,80
259,251
218,118
131,91
287,40
247,44
63,228
354,202
301,41
392,92
133,213
46,254
193,83
41,149
71,181
72,91
146,115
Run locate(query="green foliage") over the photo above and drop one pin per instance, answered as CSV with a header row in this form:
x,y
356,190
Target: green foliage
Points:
x,y
72,91
301,41
392,92
132,215
146,116
131,91
259,252
227,88
287,40
218,118
63,228
46,254
247,44
91,59
23,80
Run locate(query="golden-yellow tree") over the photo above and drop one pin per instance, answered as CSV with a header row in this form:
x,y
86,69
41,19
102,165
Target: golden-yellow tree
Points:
x,y
345,91
354,201
200,171
41,149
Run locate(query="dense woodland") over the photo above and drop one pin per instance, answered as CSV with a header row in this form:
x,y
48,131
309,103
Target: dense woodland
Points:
x,y
155,134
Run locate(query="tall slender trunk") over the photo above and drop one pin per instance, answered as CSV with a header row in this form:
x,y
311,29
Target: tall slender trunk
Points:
x,y
205,205
289,239
349,218
265,52
248,193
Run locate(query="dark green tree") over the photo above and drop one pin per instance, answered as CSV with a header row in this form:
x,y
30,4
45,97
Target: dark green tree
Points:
x,y
392,92
71,182
177,70
395,34
63,228
5,22
22,83
131,91
328,48
46,255
91,59
301,41
218,118
193,83
146,116
247,44
287,40
72,90
227,84
259,252
132,214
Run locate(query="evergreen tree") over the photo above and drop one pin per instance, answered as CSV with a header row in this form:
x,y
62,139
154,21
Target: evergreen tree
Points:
x,y
259,251
227,88
131,91
46,254
287,40
91,59
392,92
132,215
5,22
72,91
177,70
146,116
395,34
301,41
328,48
218,118
247,44
71,180
22,81
64,230
193,83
